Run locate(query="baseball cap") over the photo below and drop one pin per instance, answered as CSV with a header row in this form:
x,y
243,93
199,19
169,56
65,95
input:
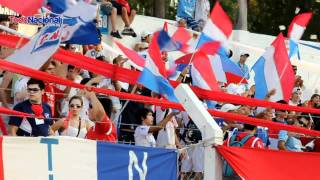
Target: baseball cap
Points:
x,y
244,54
144,34
229,107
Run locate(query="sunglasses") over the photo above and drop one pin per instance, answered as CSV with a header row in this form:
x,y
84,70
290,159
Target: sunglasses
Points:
x,y
33,90
75,106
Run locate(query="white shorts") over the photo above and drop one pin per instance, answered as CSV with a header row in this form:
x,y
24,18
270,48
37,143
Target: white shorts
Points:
x,y
195,160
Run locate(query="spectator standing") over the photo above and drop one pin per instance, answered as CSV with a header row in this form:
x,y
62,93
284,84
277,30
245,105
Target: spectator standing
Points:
x,y
186,13
143,134
202,12
242,64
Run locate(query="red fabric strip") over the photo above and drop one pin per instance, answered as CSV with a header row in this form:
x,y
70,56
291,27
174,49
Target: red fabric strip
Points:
x,y
264,164
129,76
148,100
3,127
1,159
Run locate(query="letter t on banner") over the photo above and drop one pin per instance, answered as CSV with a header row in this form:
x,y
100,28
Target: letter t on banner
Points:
x,y
49,142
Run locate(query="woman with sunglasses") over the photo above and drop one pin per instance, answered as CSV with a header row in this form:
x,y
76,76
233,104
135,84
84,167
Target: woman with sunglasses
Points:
x,y
74,125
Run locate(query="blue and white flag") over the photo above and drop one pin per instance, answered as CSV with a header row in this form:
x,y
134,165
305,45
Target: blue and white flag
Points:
x,y
79,16
70,158
44,44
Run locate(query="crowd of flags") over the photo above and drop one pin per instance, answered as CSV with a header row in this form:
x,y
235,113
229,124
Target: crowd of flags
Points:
x,y
208,58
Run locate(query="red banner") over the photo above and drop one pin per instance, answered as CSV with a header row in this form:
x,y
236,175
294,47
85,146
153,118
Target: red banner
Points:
x,y
8,66
269,164
129,76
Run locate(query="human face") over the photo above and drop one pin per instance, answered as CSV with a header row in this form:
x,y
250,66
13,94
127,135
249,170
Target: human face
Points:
x,y
295,97
148,120
34,93
315,100
51,69
75,106
243,59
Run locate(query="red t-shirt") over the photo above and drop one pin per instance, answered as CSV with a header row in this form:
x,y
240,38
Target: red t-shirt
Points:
x,y
51,94
103,131
253,142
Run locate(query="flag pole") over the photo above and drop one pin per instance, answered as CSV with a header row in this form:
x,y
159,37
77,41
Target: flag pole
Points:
x,y
245,76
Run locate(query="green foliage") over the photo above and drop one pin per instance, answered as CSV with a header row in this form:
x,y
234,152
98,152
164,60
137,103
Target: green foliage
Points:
x,y
264,16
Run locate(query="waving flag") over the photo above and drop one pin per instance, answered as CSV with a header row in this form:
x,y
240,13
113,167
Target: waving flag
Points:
x,y
225,70
218,27
296,30
60,6
202,74
95,161
40,48
78,25
274,71
134,58
23,7
154,73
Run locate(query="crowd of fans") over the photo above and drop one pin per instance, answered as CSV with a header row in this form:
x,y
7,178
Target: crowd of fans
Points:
x,y
68,111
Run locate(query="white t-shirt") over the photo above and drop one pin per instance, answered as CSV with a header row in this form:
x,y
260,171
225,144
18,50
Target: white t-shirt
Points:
x,y
142,137
20,86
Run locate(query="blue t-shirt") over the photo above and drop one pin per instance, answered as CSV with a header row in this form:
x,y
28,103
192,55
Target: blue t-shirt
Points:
x,y
37,129
292,143
186,9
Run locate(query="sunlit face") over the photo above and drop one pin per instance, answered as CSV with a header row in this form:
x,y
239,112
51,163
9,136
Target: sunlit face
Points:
x,y
34,93
75,107
148,120
316,100
51,69
243,59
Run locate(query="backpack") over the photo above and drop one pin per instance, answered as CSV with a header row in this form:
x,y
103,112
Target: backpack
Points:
x,y
227,169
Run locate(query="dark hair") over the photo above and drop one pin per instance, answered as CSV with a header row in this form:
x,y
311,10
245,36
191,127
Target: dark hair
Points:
x,y
84,81
304,115
107,104
142,114
70,67
249,127
76,97
314,96
36,81
101,58
282,102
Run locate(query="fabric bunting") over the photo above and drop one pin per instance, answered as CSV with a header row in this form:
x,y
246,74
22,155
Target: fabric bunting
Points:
x,y
8,66
129,76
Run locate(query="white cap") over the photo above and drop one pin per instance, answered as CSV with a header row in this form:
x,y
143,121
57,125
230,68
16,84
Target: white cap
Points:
x,y
235,89
144,34
229,107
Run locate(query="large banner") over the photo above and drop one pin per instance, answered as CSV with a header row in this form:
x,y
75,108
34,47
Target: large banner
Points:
x,y
61,158
265,164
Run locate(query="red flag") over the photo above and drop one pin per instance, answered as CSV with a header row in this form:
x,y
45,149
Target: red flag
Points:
x,y
269,164
135,58
23,7
165,26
